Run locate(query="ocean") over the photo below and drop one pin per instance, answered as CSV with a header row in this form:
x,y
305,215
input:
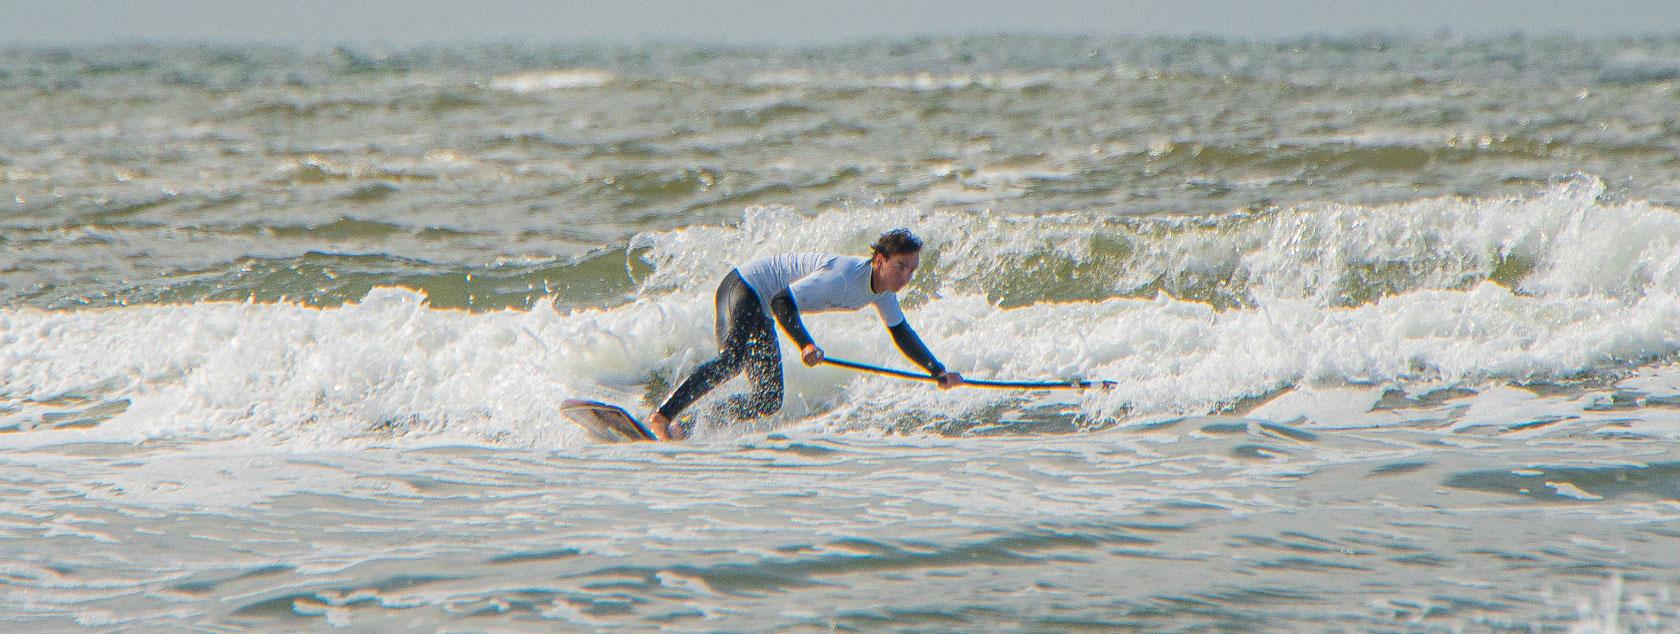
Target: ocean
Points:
x,y
1394,324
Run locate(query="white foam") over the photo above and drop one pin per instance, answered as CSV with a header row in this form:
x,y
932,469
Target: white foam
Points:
x,y
1659,380
1333,406
390,369
539,81
928,81
1568,490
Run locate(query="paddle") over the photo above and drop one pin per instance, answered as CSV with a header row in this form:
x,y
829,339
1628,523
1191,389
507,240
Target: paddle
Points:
x,y
1070,384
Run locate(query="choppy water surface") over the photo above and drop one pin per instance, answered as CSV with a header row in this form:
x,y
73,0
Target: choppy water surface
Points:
x,y
1393,324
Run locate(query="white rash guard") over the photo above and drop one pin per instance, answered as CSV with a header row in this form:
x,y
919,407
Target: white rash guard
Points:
x,y
819,283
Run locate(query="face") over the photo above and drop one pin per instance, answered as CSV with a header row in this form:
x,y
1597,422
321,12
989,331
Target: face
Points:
x,y
892,274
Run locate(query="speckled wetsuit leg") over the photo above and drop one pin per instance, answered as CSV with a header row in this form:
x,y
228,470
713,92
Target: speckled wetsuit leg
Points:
x,y
746,340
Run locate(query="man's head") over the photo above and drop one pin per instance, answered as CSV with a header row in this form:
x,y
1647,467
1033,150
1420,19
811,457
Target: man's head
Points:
x,y
897,254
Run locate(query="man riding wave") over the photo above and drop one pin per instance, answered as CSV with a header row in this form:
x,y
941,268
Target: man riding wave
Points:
x,y
796,283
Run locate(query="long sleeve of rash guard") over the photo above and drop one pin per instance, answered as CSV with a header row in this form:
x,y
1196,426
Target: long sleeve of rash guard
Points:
x,y
912,347
787,312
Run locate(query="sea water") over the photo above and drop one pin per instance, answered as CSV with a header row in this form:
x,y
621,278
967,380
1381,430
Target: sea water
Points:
x,y
1394,325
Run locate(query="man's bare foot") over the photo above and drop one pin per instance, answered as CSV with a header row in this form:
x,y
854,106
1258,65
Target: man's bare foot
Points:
x,y
660,426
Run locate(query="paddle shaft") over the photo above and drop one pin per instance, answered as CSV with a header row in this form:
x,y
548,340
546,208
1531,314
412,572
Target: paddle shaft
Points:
x,y
1006,385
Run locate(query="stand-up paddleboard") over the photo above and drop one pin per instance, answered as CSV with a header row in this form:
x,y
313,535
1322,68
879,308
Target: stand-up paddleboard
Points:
x,y
607,423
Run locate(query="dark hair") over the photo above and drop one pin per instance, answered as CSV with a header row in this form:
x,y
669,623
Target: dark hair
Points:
x,y
895,242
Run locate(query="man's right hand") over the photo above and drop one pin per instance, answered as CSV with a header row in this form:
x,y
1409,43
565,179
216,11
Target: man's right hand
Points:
x,y
811,355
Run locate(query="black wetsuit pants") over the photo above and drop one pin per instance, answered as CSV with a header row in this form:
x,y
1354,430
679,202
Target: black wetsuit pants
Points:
x,y
746,340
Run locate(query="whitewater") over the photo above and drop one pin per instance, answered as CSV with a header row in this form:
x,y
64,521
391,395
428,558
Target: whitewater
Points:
x,y
1392,326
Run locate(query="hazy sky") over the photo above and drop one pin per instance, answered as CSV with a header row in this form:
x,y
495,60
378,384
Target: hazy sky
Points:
x,y
407,22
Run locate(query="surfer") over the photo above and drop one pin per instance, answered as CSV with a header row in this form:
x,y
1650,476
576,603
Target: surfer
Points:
x,y
795,283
